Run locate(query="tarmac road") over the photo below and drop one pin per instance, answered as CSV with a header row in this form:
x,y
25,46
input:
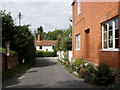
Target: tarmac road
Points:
x,y
46,73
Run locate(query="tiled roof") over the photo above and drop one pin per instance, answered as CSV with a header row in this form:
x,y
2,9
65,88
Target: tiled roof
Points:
x,y
45,43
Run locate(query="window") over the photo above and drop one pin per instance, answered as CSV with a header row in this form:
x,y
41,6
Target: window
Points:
x,y
110,36
40,47
52,47
78,6
78,42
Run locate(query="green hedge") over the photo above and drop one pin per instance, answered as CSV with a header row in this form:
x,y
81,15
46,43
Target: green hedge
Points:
x,y
3,50
45,53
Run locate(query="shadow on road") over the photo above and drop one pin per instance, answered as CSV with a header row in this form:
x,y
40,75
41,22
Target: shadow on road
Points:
x,y
39,63
60,84
29,86
13,81
46,80
44,62
73,84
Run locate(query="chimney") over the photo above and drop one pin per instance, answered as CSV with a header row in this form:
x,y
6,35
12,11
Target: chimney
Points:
x,y
38,37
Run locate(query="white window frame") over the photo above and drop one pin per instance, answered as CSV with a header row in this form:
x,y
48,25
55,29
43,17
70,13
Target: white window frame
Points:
x,y
78,7
78,42
113,34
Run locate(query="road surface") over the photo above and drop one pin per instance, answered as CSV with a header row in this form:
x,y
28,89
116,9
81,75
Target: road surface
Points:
x,y
46,73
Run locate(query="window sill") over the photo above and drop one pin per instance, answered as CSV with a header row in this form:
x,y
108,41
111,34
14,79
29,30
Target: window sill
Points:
x,y
109,50
79,13
77,49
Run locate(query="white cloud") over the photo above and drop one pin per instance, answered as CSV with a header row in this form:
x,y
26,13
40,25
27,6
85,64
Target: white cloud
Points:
x,y
60,0
50,15
37,0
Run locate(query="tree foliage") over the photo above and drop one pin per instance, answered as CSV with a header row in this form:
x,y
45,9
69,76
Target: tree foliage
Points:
x,y
54,34
24,44
63,38
38,31
64,41
20,38
7,28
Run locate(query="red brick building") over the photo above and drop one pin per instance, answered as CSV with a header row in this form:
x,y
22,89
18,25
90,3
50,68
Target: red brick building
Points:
x,y
96,32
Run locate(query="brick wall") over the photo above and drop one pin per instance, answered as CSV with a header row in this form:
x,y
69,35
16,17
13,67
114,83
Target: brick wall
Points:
x,y
12,61
91,16
119,36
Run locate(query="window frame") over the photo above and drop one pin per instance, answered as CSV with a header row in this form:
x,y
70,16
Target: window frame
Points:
x,y
77,42
78,7
113,48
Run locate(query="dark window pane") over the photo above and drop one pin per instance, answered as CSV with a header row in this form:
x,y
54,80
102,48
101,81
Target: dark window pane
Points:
x,y
105,27
116,23
116,43
116,33
40,47
110,43
110,35
53,47
110,25
105,44
105,36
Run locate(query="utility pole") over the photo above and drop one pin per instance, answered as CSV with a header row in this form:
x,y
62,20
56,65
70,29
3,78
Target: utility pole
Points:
x,y
19,18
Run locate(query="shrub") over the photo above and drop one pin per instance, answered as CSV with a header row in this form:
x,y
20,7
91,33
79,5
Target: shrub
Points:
x,y
87,67
79,63
45,54
3,50
89,76
82,72
103,75
113,86
70,70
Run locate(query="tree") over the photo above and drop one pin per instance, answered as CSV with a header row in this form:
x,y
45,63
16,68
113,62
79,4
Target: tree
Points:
x,y
8,30
24,44
54,34
39,31
45,36
64,41
20,38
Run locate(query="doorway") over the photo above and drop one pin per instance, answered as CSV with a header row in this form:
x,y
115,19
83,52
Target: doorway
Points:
x,y
87,41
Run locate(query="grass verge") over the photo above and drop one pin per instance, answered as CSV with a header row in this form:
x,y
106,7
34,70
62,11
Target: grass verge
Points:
x,y
6,75
69,69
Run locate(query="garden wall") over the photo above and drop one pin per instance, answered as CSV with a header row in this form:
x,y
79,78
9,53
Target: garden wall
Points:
x,y
12,61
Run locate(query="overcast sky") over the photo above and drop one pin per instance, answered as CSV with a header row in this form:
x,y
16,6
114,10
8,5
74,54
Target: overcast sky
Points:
x,y
51,14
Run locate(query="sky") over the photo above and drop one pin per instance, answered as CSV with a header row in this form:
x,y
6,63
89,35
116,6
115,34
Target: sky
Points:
x,y
50,14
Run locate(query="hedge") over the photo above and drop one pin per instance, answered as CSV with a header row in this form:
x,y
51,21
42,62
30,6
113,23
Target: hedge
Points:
x,y
45,53
3,50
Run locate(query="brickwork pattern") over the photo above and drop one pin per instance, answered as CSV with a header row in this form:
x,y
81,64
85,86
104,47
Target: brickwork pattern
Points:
x,y
91,16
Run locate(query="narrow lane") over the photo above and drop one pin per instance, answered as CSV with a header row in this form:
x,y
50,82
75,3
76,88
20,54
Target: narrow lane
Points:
x,y
47,73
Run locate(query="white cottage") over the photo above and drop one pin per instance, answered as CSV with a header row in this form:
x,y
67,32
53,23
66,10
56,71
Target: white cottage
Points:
x,y
44,45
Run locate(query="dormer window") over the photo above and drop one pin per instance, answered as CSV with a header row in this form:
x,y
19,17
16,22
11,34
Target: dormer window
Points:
x,y
78,7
